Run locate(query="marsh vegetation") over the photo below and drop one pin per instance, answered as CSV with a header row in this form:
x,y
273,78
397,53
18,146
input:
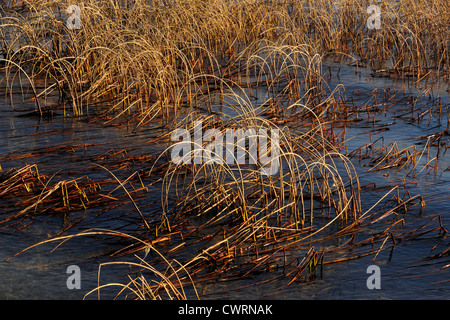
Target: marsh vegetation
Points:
x,y
161,65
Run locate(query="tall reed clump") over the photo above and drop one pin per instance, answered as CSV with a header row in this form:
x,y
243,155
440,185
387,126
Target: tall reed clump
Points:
x,y
309,170
309,178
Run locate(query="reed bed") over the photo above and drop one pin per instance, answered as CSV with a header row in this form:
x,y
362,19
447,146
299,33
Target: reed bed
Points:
x,y
242,65
156,58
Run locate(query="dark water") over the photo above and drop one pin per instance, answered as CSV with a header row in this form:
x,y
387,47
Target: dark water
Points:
x,y
41,274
